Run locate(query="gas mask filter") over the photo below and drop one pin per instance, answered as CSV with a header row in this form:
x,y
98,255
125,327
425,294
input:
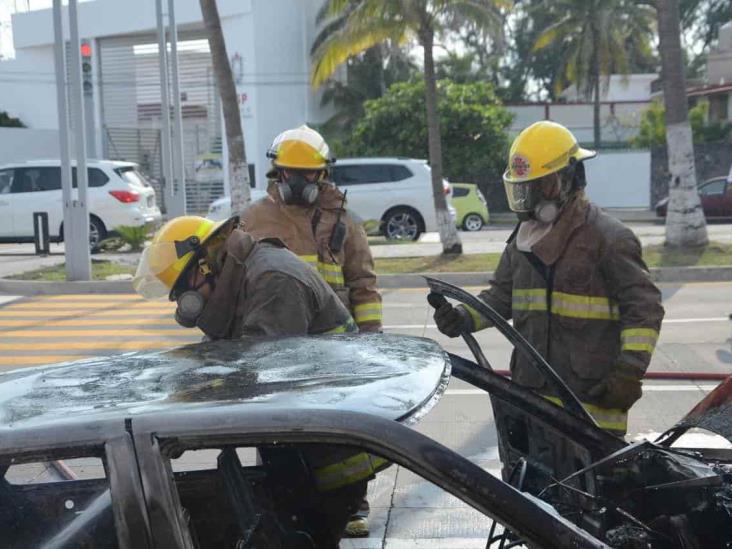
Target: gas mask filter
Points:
x,y
190,307
298,190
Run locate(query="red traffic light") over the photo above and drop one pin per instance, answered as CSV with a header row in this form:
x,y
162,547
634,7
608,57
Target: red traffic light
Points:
x,y
86,49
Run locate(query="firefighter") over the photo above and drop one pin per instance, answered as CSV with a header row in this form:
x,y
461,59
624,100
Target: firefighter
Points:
x,y
307,212
572,279
229,285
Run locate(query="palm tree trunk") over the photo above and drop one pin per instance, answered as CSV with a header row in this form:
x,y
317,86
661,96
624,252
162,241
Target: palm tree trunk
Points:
x,y
596,128
685,222
448,231
238,169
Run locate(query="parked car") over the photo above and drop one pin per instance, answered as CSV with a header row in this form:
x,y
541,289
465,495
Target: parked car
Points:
x,y
471,208
715,195
118,195
220,208
395,192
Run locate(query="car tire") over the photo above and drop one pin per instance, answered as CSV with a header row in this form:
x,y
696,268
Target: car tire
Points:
x,y
97,233
402,224
472,222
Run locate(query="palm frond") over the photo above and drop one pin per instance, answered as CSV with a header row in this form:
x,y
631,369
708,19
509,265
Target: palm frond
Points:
x,y
553,33
351,40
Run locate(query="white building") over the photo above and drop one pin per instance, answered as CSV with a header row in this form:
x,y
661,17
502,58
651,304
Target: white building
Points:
x,y
268,42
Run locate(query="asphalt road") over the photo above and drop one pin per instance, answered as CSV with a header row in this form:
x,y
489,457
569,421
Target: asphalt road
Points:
x,y
406,510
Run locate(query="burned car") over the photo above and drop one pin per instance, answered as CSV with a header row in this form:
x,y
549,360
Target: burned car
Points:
x,y
102,452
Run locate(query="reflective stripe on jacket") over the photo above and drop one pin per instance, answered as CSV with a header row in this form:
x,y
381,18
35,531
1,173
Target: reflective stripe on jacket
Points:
x,y
307,232
610,419
583,299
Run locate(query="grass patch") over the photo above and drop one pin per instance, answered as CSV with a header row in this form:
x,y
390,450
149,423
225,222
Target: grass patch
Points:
x,y
715,254
101,269
464,263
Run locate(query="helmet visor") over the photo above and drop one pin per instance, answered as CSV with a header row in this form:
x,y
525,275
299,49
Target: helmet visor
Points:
x,y
156,260
523,196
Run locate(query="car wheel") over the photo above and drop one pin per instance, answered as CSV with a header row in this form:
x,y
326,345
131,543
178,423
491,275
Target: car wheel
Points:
x,y
402,224
472,222
97,233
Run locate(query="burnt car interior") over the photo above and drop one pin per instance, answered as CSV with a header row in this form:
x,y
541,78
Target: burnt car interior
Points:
x,y
52,509
627,495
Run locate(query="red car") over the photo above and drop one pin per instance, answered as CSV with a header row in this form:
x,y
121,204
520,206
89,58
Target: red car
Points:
x,y
716,198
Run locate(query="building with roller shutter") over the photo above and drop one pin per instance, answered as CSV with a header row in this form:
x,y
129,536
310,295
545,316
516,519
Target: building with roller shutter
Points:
x,y
268,42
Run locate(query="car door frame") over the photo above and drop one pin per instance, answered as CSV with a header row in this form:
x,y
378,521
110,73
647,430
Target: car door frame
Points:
x,y
128,503
160,437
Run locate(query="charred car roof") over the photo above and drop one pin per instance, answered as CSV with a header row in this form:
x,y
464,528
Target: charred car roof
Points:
x,y
394,377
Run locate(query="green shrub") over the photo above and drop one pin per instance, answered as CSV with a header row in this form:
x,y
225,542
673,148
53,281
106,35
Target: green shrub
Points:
x,y
134,237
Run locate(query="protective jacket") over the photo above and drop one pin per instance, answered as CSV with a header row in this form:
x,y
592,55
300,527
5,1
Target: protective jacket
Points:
x,y
264,289
307,231
584,299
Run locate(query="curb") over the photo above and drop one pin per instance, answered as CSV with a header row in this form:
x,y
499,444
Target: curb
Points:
x,y
658,274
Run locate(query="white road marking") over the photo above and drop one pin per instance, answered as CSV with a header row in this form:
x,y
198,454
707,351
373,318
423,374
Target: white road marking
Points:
x,y
667,321
8,298
646,388
416,543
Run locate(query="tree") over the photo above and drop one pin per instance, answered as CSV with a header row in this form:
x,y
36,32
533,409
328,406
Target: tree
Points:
x,y
368,75
685,223
238,169
474,128
652,131
357,25
599,38
7,121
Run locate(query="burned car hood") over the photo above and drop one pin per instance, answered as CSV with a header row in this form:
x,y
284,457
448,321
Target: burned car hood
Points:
x,y
396,377
713,412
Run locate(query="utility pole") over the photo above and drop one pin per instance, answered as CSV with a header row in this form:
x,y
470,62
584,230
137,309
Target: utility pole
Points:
x,y
76,212
167,167
178,151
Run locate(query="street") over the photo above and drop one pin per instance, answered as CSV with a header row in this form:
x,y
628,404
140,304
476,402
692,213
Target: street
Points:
x,y
406,510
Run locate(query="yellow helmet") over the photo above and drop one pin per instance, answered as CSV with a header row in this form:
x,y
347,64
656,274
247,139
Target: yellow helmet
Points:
x,y
541,149
300,148
172,249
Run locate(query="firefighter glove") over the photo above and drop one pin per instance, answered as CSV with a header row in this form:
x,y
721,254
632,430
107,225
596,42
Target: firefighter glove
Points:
x,y
453,321
620,389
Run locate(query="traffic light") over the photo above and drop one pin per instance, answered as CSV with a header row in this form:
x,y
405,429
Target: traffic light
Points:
x,y
86,67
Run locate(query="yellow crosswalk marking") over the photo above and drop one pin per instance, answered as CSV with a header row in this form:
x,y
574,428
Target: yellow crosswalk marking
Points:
x,y
92,314
32,305
170,332
166,320
94,297
134,344
36,360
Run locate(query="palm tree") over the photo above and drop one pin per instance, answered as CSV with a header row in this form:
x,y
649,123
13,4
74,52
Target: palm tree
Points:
x,y
599,38
238,169
685,222
356,25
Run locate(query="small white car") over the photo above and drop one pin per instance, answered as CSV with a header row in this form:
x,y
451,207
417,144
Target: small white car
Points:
x,y
220,208
396,192
118,195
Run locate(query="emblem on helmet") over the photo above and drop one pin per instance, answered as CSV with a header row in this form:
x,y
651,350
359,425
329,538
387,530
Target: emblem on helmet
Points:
x,y
520,165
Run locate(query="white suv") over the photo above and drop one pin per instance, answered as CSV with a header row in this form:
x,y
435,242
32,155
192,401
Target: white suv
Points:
x,y
118,195
396,192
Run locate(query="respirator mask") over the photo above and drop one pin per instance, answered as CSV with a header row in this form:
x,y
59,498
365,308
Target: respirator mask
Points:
x,y
190,303
297,190
527,198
